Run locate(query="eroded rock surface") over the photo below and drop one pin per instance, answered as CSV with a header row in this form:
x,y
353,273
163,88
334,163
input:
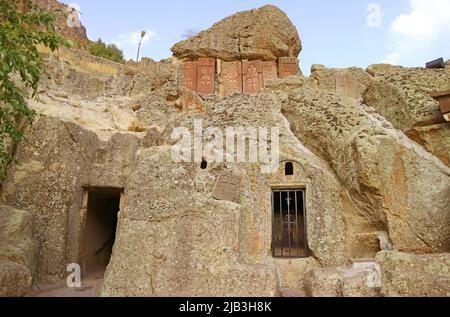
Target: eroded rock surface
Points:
x,y
265,33
415,275
368,147
18,262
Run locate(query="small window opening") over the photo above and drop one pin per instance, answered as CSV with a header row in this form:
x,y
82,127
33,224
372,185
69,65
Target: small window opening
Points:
x,y
289,224
289,169
204,165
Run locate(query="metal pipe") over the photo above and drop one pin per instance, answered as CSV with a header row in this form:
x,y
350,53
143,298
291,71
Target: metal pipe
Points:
x,y
289,221
282,225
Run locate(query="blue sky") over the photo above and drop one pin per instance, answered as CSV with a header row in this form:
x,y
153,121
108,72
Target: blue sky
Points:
x,y
335,33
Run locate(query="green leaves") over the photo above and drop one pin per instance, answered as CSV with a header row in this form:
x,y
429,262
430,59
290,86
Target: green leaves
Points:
x,y
21,66
108,51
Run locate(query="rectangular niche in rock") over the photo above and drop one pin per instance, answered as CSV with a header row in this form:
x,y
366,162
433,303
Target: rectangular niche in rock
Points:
x,y
289,224
99,232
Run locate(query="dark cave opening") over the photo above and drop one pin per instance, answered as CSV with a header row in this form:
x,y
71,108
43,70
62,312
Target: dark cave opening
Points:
x,y
100,227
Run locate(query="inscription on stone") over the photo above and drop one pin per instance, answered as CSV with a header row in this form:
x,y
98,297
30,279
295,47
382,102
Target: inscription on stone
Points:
x,y
269,70
231,78
288,66
206,75
252,76
228,188
189,80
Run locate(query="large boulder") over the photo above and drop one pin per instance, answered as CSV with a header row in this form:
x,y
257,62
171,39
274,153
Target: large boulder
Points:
x,y
15,279
265,33
385,172
175,241
414,275
17,252
403,95
351,82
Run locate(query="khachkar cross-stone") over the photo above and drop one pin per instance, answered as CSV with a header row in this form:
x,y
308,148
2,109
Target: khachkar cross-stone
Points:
x,y
231,78
206,72
190,75
252,76
288,66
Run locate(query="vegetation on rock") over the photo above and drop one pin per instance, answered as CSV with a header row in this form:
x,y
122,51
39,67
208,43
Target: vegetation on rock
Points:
x,y
108,51
23,26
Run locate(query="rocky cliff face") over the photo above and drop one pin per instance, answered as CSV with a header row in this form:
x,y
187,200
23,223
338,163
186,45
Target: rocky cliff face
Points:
x,y
363,144
67,20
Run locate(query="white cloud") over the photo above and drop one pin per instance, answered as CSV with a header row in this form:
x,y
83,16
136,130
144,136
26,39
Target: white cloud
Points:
x,y
129,42
421,34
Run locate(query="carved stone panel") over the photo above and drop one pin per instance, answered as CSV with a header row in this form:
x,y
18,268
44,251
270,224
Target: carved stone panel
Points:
x,y
288,66
269,70
231,78
228,188
189,75
252,76
206,69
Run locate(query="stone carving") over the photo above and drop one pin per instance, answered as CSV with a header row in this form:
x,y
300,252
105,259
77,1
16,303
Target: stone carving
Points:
x,y
228,188
231,78
252,76
206,75
288,66
189,80
269,70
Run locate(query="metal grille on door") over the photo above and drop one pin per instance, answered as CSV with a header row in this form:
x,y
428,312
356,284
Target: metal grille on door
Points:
x,y
289,224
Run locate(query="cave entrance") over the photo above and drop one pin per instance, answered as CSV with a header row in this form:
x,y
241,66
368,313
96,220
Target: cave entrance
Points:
x,y
99,234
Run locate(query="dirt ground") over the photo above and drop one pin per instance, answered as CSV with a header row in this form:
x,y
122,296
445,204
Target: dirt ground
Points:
x,y
90,287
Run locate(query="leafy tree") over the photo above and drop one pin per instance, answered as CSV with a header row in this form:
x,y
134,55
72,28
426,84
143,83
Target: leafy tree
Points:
x,y
23,26
108,51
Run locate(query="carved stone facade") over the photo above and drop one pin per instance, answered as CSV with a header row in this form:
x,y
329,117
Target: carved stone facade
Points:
x,y
234,77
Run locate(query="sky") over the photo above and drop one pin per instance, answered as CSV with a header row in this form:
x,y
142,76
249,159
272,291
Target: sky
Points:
x,y
334,33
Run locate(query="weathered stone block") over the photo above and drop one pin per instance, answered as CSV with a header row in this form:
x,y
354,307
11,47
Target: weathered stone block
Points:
x,y
269,70
228,188
15,279
406,274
